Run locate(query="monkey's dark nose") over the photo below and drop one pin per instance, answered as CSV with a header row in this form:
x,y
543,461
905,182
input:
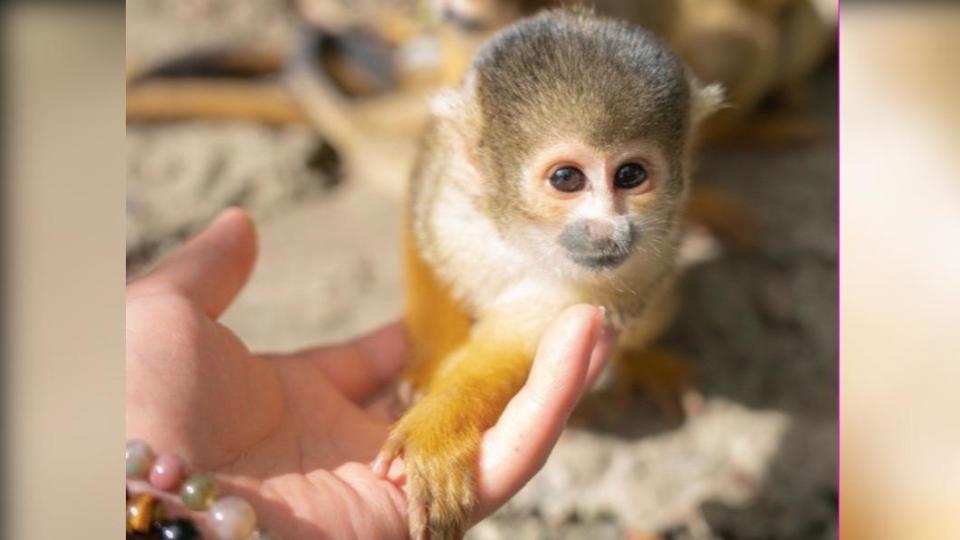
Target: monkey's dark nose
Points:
x,y
597,244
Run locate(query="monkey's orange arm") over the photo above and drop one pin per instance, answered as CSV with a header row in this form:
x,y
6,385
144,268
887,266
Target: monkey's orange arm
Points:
x,y
439,438
436,322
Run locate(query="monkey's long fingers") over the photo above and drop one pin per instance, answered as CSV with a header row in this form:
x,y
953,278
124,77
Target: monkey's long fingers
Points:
x,y
361,367
571,355
210,268
391,450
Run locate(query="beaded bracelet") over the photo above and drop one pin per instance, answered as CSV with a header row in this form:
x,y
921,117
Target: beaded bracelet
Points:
x,y
232,517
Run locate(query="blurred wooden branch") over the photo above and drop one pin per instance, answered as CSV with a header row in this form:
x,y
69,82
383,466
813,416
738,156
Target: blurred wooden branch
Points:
x,y
166,100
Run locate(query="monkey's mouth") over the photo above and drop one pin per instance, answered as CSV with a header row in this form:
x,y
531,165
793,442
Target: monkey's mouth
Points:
x,y
599,261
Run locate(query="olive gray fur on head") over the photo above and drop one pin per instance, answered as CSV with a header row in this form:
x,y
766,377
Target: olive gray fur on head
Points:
x,y
570,73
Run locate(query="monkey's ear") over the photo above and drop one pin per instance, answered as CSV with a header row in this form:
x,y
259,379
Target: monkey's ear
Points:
x,y
706,99
458,107
448,103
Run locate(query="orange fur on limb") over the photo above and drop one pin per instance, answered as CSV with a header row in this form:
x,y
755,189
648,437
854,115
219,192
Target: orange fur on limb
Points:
x,y
439,438
466,375
436,321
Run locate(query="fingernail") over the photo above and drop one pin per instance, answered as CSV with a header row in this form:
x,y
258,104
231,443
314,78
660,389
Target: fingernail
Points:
x,y
226,212
607,331
380,465
598,330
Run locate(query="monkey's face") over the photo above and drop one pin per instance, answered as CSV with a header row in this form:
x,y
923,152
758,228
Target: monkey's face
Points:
x,y
583,128
595,208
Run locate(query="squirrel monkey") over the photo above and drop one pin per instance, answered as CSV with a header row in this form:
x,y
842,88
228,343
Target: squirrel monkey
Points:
x,y
554,174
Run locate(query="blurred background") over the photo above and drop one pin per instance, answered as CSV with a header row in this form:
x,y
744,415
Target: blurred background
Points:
x,y
758,326
759,322
900,278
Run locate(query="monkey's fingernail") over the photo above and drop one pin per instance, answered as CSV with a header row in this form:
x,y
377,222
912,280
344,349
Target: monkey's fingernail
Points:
x,y
603,314
381,465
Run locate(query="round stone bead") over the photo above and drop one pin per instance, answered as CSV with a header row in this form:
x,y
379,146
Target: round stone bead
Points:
x,y
264,534
198,492
142,511
178,529
139,457
233,518
167,472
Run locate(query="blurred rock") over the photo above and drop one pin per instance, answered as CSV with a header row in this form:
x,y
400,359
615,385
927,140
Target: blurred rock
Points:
x,y
160,29
180,176
328,270
655,482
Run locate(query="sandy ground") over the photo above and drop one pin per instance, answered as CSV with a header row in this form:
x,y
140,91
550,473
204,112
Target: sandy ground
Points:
x,y
760,327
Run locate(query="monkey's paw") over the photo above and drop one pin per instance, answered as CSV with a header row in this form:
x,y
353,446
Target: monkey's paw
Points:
x,y
439,459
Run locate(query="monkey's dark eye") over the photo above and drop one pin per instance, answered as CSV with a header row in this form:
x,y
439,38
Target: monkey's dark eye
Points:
x,y
568,179
630,176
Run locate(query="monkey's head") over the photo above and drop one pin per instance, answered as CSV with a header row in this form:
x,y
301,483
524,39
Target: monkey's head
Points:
x,y
579,129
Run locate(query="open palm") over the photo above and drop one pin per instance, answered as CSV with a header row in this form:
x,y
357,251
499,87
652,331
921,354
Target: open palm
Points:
x,y
294,434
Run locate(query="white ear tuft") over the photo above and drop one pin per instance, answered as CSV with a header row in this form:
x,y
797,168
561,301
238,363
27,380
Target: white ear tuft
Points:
x,y
706,100
447,103
456,104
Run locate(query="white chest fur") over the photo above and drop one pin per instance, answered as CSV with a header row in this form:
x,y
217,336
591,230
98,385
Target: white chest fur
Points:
x,y
486,271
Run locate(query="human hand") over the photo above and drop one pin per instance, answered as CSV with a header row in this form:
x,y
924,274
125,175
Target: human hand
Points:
x,y
294,434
